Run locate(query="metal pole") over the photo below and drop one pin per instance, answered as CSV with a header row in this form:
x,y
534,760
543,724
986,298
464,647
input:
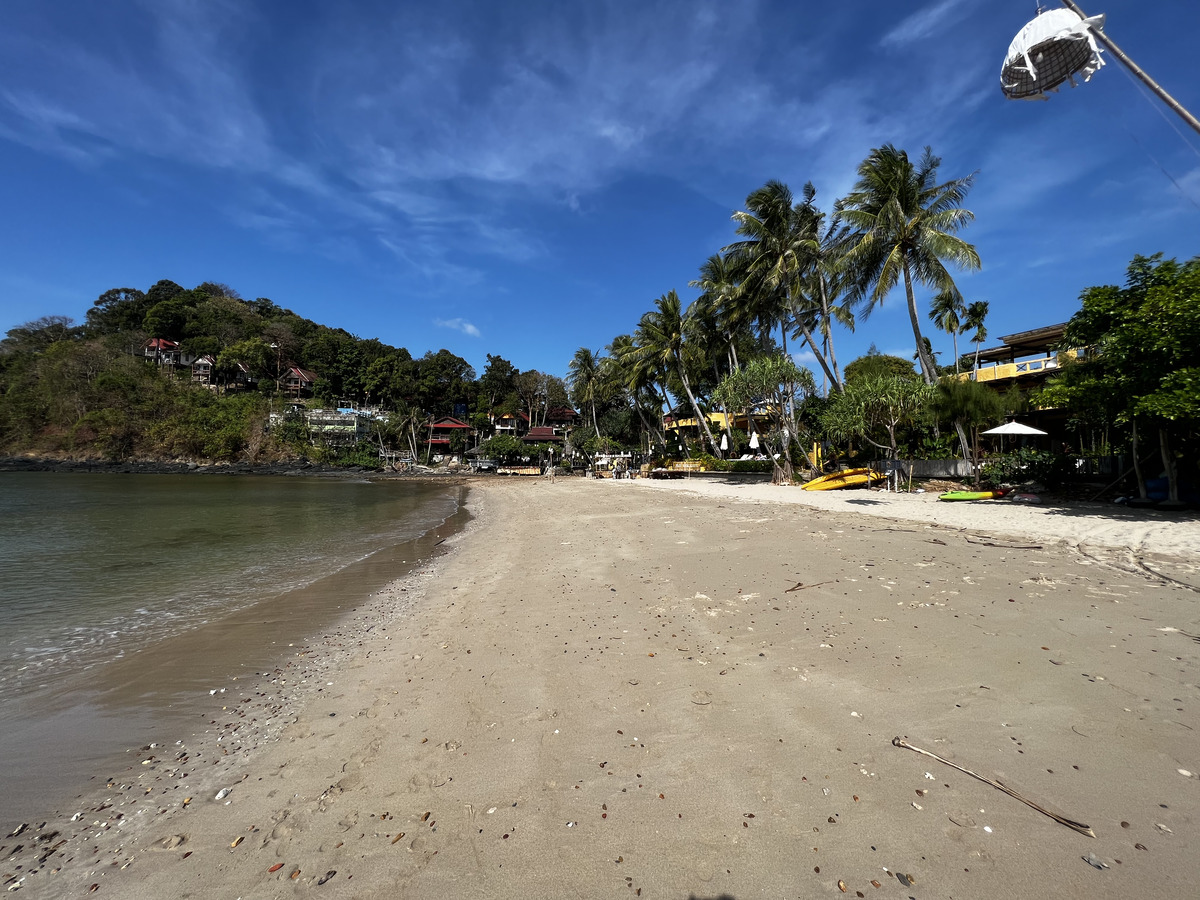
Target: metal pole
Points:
x,y
1137,70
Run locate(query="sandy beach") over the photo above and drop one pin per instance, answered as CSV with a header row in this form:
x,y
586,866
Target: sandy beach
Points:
x,y
691,689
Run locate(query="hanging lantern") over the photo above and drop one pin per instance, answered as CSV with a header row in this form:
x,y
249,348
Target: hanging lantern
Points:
x,y
1055,47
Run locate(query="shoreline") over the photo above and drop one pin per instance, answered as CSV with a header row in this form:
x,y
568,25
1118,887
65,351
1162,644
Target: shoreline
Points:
x,y
152,698
599,691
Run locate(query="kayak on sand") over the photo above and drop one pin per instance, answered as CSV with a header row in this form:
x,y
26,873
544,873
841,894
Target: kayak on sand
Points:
x,y
845,478
973,495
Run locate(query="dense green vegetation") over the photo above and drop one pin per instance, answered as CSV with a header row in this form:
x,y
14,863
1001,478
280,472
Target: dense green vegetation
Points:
x,y
792,273
91,389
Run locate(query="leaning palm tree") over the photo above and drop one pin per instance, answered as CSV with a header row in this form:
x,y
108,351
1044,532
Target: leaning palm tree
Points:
x,y
947,311
660,337
906,224
625,378
975,317
586,381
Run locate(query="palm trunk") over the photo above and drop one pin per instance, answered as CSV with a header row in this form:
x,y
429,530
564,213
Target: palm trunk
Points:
x,y
962,440
812,344
687,386
928,369
954,334
828,335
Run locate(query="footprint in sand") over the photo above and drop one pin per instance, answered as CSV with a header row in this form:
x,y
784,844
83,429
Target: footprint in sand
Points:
x,y
701,698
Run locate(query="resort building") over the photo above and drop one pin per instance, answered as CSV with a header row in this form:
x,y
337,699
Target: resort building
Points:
x,y
1025,358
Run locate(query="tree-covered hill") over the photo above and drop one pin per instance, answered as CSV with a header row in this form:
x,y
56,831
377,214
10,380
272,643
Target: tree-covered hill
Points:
x,y
96,389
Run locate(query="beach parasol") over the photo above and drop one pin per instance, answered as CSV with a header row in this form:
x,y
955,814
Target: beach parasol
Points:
x,y
724,442
1014,428
754,440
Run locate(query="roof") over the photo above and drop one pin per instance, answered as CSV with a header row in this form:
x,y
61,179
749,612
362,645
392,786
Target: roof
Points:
x,y
540,434
161,344
302,374
1025,343
449,422
561,413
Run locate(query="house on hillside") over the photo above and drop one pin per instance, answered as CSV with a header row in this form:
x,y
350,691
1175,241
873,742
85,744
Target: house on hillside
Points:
x,y
164,352
297,382
562,419
202,370
542,434
514,424
442,430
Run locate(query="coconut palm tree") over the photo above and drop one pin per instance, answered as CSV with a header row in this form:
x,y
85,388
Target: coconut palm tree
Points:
x,y
586,380
767,260
821,282
976,314
947,312
661,341
906,224
718,301
625,377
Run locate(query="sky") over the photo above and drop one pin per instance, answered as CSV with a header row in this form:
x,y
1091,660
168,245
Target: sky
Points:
x,y
526,178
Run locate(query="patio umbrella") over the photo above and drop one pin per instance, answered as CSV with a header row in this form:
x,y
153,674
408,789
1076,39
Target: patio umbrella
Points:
x,y
1014,428
724,442
754,440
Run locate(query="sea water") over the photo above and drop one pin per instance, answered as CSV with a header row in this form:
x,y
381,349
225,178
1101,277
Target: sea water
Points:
x,y
98,569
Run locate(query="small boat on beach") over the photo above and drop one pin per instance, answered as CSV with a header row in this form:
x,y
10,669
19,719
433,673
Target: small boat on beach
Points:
x,y
973,495
845,478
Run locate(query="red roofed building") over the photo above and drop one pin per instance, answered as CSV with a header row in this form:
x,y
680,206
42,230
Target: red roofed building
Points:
x,y
542,434
162,351
441,430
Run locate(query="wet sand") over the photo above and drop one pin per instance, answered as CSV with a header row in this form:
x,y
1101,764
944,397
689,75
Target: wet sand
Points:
x,y
611,689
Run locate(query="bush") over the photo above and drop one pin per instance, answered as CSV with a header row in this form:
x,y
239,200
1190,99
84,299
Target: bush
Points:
x,y
712,464
1027,464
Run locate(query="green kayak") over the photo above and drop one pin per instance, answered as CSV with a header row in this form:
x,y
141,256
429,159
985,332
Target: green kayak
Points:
x,y
972,495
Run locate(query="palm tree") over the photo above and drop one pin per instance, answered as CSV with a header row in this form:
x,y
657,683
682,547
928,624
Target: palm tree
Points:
x,y
821,281
625,377
767,261
587,383
976,314
718,300
947,312
660,338
905,224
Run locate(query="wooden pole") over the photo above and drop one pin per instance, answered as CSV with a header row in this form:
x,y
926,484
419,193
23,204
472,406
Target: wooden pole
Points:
x,y
1138,71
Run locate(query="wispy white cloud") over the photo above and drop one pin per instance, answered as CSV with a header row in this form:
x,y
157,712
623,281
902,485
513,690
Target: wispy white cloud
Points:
x,y
458,325
921,24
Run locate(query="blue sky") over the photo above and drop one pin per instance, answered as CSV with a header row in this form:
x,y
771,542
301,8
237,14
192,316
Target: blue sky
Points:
x,y
525,178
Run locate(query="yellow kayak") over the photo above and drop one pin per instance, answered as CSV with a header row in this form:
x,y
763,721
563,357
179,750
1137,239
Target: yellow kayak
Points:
x,y
845,478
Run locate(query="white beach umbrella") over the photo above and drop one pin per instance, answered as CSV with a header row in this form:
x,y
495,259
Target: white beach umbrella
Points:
x,y
724,442
754,440
1014,428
